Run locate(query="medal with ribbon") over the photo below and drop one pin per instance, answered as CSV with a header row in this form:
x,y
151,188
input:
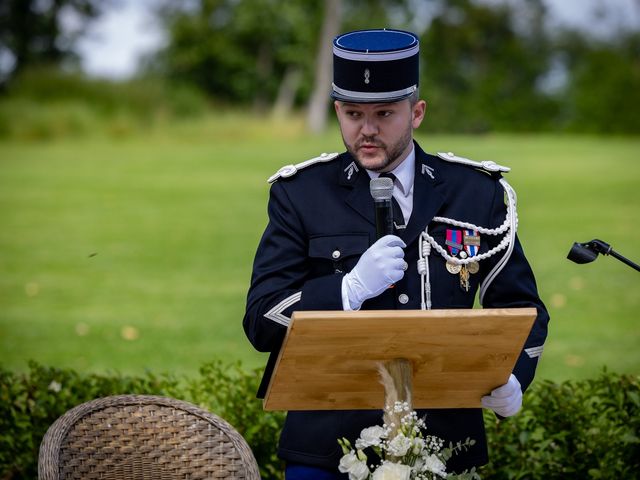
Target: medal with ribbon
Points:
x,y
464,244
454,244
471,242
471,247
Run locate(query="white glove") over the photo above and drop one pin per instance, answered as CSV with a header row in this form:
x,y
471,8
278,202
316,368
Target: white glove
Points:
x,y
505,400
381,265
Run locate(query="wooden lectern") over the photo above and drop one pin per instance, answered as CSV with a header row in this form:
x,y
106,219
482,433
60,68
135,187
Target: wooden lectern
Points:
x,y
329,359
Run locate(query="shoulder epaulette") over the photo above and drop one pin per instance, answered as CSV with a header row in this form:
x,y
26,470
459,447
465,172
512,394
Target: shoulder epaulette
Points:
x,y
290,170
487,165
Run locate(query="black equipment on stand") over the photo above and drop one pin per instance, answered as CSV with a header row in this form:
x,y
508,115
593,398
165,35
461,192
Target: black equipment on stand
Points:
x,y
588,251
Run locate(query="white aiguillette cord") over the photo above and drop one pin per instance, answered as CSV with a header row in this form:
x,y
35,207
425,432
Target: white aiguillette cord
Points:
x,y
508,228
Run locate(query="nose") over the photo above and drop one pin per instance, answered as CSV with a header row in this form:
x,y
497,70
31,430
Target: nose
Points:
x,y
369,126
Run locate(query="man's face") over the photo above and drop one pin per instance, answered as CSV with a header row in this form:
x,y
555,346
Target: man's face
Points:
x,y
379,135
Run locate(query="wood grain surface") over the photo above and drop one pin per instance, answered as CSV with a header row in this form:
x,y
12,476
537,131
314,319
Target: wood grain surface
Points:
x,y
328,359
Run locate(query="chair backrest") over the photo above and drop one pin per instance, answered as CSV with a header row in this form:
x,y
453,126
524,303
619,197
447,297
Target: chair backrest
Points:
x,y
143,437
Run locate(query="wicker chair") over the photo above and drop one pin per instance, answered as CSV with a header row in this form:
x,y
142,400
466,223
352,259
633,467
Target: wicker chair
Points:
x,y
143,437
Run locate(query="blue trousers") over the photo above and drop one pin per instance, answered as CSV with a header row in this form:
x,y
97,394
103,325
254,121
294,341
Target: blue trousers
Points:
x,y
303,472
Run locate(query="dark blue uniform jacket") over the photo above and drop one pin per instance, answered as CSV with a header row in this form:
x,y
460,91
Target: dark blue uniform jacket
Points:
x,y
327,207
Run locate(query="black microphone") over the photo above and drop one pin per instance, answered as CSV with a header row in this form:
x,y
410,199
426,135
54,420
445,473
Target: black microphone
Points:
x,y
381,189
588,251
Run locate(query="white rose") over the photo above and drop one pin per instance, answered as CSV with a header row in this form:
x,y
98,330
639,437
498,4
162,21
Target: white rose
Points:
x,y
433,464
392,471
370,437
356,468
399,446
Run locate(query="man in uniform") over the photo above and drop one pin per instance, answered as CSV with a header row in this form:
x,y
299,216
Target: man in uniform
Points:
x,y
454,236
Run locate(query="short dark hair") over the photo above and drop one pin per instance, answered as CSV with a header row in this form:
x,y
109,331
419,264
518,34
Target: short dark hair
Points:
x,y
414,97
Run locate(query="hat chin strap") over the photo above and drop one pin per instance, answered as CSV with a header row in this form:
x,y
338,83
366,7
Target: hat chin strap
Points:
x,y
508,228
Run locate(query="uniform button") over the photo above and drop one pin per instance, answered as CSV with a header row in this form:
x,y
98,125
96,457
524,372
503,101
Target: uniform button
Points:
x,y
336,254
403,298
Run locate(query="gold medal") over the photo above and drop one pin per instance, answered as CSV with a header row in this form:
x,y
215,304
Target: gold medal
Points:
x,y
464,278
453,268
473,267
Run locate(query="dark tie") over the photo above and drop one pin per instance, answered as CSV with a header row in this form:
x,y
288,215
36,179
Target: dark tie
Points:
x,y
398,218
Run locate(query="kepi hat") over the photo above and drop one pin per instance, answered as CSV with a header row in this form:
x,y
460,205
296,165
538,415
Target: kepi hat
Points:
x,y
375,66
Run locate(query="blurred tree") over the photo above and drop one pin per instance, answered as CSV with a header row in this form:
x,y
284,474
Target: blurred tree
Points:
x,y
603,89
33,32
240,50
486,65
317,109
264,52
482,65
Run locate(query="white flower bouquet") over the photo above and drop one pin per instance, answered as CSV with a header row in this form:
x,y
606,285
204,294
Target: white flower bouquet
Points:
x,y
403,450
400,449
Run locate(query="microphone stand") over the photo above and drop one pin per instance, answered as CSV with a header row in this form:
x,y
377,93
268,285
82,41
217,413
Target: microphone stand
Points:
x,y
588,251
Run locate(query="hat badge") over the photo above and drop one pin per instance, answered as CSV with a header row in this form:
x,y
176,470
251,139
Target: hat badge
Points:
x,y
367,74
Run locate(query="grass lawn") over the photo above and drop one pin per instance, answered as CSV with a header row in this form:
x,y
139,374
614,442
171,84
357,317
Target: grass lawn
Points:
x,y
136,253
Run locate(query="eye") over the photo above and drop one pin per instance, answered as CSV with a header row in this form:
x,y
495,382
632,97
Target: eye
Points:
x,y
353,114
385,113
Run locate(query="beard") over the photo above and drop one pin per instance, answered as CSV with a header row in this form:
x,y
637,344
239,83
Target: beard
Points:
x,y
391,153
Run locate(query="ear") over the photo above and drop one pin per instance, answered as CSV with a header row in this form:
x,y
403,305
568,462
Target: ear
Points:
x,y
417,113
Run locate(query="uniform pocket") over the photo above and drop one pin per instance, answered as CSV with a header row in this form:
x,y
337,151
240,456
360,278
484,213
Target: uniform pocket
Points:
x,y
336,253
311,434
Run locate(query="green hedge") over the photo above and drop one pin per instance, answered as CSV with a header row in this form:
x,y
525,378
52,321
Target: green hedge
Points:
x,y
30,403
45,103
576,429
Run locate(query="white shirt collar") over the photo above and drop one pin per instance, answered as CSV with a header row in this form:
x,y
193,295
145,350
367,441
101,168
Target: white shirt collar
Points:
x,y
404,172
